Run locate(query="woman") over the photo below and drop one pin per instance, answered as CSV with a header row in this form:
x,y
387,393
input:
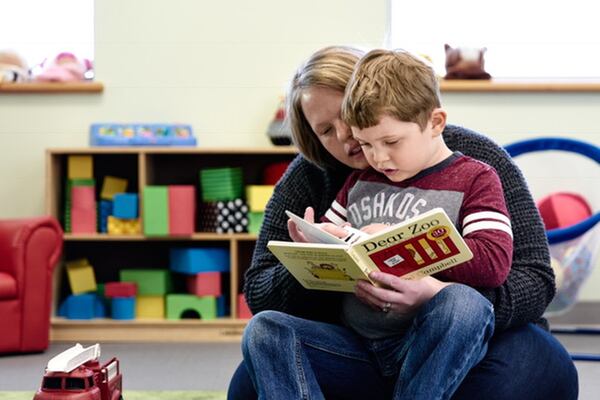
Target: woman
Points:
x,y
523,360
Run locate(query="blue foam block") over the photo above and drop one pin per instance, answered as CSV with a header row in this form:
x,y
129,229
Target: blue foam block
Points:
x,y
123,307
192,261
222,306
82,306
125,205
104,210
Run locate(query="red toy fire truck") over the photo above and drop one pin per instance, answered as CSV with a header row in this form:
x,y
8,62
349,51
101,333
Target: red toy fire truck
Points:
x,y
76,374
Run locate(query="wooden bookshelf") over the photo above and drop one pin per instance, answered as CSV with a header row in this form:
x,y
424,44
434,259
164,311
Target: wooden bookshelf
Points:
x,y
143,166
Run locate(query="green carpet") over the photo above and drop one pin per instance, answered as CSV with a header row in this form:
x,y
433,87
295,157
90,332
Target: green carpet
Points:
x,y
137,395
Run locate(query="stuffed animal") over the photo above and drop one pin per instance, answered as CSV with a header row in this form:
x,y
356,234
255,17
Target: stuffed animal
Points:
x,y
465,63
13,67
65,67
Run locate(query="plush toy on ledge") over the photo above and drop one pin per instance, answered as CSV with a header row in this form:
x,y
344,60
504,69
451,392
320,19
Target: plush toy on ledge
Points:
x,y
465,63
65,67
13,68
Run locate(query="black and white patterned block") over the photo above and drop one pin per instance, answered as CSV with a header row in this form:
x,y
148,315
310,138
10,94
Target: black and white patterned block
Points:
x,y
232,216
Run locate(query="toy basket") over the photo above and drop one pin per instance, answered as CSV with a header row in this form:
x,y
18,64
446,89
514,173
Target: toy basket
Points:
x,y
575,249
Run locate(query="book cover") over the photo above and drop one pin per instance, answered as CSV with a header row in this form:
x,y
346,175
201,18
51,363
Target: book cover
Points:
x,y
424,245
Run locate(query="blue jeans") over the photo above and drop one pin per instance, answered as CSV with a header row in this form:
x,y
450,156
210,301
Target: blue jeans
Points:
x,y
524,363
289,358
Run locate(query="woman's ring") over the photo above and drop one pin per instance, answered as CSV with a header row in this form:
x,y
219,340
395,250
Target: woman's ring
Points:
x,y
386,307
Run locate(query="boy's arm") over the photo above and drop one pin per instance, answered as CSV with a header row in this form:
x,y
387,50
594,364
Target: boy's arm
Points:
x,y
530,286
486,228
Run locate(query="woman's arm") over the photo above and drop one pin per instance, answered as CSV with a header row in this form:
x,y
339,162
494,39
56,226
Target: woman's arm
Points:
x,y
530,285
268,285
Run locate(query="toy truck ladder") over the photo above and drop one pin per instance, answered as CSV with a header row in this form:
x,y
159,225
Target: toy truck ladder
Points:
x,y
72,358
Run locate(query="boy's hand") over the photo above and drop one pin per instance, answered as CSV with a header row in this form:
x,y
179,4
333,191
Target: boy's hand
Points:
x,y
373,228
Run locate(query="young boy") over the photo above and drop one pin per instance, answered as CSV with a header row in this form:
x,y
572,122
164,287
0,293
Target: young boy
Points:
x,y
393,107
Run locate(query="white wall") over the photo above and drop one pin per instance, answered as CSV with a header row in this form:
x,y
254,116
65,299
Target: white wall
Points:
x,y
222,66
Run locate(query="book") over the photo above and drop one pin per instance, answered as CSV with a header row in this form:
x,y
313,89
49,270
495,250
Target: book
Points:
x,y
421,246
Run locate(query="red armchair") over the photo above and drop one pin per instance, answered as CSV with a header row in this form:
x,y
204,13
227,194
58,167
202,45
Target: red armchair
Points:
x,y
29,251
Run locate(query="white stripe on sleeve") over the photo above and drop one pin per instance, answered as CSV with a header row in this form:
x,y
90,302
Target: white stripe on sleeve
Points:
x,y
482,225
337,207
333,217
486,215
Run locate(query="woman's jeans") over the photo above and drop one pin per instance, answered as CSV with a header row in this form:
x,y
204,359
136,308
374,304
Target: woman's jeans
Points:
x,y
521,363
292,358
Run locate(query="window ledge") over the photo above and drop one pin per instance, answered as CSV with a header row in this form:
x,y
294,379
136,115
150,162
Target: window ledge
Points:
x,y
497,85
52,87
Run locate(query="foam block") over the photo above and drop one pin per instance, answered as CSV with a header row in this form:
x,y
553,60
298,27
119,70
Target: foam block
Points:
x,y
222,306
243,310
117,226
149,281
83,209
83,197
257,196
120,289
255,220
80,167
83,221
104,211
81,276
191,261
205,284
123,308
82,306
182,209
156,210
187,305
111,186
273,172
150,307
125,205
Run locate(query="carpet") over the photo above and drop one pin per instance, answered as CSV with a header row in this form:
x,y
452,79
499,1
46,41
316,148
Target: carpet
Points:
x,y
137,395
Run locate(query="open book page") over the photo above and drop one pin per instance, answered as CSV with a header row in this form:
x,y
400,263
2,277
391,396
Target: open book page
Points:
x,y
320,266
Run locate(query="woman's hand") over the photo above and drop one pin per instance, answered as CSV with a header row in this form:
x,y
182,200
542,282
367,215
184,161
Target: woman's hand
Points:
x,y
397,295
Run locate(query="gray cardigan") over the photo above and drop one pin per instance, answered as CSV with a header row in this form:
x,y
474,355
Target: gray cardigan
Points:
x,y
521,299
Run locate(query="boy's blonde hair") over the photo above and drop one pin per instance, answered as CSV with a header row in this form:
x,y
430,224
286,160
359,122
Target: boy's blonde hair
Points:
x,y
394,83
330,67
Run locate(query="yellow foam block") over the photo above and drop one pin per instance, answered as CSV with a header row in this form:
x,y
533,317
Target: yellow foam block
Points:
x,y
80,167
81,276
111,186
119,226
150,307
258,196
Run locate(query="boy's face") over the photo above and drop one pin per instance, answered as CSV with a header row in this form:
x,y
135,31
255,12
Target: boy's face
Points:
x,y
400,150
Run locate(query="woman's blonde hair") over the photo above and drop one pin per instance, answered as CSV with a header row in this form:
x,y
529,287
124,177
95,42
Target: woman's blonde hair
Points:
x,y
394,83
330,67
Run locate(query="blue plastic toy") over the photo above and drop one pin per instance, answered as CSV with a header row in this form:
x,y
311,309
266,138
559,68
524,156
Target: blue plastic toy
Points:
x,y
111,134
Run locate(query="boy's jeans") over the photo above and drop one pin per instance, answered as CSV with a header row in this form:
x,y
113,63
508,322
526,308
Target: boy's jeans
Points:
x,y
448,337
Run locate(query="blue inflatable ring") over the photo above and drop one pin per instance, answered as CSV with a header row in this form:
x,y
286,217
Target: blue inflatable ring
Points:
x,y
570,145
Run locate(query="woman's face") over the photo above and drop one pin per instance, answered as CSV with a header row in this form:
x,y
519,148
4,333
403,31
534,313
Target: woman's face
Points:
x,y
322,107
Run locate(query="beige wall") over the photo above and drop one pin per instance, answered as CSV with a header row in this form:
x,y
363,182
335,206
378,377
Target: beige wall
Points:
x,y
222,66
